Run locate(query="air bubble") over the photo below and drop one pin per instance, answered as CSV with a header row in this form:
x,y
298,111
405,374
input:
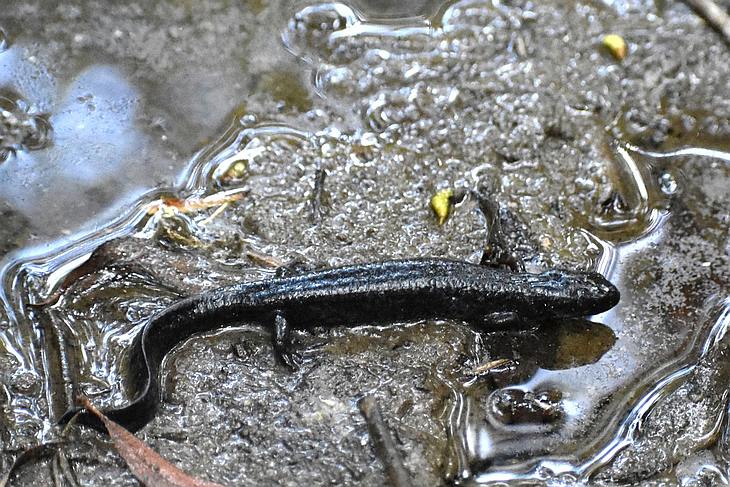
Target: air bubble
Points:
x,y
467,14
667,184
24,381
310,30
20,128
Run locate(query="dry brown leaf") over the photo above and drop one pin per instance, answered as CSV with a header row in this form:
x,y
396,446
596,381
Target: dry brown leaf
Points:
x,y
194,204
145,463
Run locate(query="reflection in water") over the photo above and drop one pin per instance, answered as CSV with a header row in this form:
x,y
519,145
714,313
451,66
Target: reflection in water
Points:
x,y
95,139
635,266
687,151
693,341
386,10
29,78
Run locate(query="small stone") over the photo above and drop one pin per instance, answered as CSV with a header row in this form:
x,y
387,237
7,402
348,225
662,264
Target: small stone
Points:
x,y
25,381
514,406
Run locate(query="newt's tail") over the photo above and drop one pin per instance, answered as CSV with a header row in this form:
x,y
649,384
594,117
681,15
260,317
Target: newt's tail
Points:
x,y
132,417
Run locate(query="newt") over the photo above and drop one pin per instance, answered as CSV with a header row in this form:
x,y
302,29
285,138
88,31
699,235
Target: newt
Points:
x,y
379,292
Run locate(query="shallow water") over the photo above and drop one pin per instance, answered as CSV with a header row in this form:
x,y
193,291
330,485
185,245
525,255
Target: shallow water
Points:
x,y
111,117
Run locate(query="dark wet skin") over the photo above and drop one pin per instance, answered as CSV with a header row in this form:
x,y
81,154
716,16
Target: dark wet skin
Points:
x,y
381,292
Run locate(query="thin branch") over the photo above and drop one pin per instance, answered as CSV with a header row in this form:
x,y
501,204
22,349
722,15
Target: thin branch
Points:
x,y
713,14
383,443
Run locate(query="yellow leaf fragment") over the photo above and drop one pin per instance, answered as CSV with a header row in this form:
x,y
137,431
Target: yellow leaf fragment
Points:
x,y
441,204
236,171
145,463
616,45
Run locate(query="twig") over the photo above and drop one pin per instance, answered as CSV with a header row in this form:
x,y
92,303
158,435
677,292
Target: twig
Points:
x,y
383,443
318,194
713,14
492,364
215,214
265,259
63,473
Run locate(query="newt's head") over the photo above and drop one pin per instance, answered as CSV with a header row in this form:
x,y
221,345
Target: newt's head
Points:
x,y
562,293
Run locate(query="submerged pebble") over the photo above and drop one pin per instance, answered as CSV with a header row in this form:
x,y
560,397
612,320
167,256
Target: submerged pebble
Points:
x,y
516,406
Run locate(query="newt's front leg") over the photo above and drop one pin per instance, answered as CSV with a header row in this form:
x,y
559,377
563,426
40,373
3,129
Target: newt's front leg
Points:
x,y
283,346
496,252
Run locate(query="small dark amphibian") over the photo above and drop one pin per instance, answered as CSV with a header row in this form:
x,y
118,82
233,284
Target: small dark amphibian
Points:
x,y
382,292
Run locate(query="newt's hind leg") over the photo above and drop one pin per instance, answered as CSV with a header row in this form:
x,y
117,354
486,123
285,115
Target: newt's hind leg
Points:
x,y
503,319
283,346
293,268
